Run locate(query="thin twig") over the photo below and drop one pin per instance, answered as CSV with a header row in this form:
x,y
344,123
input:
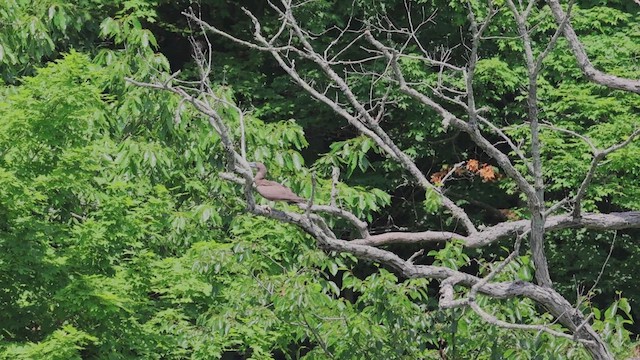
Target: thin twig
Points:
x,y
604,264
413,257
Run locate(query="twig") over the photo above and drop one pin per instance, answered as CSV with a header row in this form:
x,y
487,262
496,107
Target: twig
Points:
x,y
536,199
499,268
413,257
604,264
316,335
450,172
359,224
579,327
176,115
554,39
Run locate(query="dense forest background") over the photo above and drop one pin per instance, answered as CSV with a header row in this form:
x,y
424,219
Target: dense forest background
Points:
x,y
119,239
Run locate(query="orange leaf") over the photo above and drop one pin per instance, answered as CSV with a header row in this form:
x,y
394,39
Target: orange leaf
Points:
x,y
487,173
436,177
509,214
473,165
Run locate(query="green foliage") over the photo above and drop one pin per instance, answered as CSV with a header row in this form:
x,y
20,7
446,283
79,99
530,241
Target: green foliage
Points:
x,y
612,324
63,344
35,32
104,223
495,77
432,201
118,240
452,256
350,153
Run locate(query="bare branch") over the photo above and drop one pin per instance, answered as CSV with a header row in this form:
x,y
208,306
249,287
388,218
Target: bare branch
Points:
x,y
397,238
491,319
585,322
554,39
191,16
545,296
535,200
584,63
415,255
614,221
604,264
451,172
218,124
509,142
619,146
359,224
577,200
598,156
369,127
476,33
313,194
449,118
515,253
587,140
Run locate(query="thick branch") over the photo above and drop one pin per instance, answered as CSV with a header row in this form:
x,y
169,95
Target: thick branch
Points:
x,y
536,202
584,63
593,221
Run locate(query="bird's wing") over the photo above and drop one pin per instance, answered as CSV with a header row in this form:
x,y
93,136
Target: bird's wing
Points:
x,y
272,190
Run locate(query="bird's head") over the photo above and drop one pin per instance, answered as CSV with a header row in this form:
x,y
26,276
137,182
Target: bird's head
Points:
x,y
262,170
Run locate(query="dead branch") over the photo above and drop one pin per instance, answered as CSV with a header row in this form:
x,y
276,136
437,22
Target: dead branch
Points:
x,y
507,230
536,200
593,74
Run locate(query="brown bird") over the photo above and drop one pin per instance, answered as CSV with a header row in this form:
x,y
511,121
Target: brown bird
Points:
x,y
272,190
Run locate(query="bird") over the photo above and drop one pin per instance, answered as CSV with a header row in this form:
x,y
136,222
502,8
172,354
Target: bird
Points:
x,y
272,190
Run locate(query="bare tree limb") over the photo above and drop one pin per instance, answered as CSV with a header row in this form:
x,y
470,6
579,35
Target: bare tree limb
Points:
x,y
450,119
535,202
584,63
545,296
554,39
359,224
598,156
491,319
505,230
